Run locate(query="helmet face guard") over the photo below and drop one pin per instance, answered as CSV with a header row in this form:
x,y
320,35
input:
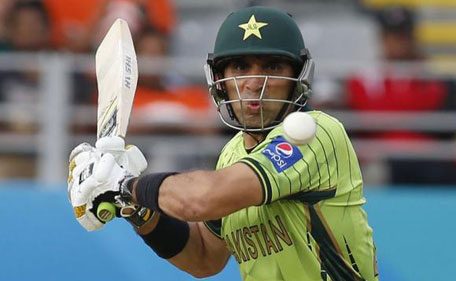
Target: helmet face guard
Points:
x,y
297,98
258,31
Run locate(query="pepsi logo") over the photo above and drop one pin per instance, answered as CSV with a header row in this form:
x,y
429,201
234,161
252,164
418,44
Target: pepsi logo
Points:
x,y
282,154
284,149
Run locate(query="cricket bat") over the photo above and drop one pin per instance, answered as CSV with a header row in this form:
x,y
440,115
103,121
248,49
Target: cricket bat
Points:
x,y
117,77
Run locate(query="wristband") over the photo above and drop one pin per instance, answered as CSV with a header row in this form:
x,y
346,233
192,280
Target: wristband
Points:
x,y
168,238
147,190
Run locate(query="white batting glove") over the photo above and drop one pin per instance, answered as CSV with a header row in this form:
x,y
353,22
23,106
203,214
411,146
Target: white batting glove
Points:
x,y
94,176
93,173
82,162
128,157
74,161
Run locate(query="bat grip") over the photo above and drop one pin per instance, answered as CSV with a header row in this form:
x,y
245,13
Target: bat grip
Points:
x,y
106,211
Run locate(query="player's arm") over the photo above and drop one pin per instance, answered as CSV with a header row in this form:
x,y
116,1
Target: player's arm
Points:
x,y
201,195
203,255
186,199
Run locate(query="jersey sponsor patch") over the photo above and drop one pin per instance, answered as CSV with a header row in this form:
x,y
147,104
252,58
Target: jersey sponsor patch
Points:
x,y
282,154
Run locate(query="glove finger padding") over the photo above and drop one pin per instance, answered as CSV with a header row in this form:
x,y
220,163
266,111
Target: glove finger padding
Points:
x,y
82,181
83,147
136,163
78,150
104,169
114,145
129,157
81,168
106,176
84,163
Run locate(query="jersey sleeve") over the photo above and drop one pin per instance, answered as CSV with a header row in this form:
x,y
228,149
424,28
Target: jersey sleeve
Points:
x,y
307,172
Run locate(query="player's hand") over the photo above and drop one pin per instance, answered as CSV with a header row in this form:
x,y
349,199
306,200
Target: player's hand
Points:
x,y
84,189
96,178
82,161
85,150
128,157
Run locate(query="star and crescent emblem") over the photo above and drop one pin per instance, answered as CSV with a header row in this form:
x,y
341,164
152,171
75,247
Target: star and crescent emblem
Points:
x,y
252,27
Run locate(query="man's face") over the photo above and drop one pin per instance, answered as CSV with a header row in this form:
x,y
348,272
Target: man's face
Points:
x,y
28,31
248,113
398,46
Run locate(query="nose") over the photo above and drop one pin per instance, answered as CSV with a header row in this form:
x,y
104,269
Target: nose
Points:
x,y
254,84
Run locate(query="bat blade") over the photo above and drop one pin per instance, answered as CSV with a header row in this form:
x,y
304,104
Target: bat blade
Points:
x,y
117,77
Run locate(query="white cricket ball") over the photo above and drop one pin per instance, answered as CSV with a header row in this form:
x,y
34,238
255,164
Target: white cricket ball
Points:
x,y
299,128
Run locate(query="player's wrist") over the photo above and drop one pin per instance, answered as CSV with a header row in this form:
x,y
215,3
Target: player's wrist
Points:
x,y
135,214
146,190
132,187
126,190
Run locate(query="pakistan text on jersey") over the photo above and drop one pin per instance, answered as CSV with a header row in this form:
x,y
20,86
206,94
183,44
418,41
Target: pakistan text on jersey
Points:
x,y
251,241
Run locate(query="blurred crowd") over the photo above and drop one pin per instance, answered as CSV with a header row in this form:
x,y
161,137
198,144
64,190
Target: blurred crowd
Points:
x,y
392,89
77,26
399,85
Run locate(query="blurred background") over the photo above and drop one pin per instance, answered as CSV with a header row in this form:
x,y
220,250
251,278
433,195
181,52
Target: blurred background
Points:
x,y
385,68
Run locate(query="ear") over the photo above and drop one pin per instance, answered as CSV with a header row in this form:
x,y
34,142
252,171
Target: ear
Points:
x,y
219,86
217,75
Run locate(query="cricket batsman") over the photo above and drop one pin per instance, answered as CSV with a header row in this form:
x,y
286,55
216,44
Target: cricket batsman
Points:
x,y
283,211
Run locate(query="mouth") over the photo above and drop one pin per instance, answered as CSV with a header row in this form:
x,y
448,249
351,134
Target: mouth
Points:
x,y
253,106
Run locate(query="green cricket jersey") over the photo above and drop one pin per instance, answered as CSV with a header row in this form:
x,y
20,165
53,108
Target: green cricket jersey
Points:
x,y
310,225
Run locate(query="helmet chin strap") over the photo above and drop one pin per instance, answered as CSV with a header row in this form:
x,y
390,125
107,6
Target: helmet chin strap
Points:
x,y
230,110
285,108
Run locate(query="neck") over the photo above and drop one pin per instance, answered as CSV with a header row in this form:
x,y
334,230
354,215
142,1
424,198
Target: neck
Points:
x,y
252,139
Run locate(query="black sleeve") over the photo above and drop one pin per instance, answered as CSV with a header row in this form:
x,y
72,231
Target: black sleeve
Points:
x,y
215,226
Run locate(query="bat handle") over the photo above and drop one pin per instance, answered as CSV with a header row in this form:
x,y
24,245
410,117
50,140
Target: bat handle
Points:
x,y
106,211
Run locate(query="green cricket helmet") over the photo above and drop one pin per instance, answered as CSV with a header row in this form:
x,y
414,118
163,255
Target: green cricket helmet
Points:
x,y
259,31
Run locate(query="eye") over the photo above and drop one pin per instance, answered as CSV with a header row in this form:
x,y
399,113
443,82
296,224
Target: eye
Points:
x,y
273,66
239,65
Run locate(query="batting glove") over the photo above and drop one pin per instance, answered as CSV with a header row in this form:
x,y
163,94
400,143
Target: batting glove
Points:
x,y
128,157
96,173
95,177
